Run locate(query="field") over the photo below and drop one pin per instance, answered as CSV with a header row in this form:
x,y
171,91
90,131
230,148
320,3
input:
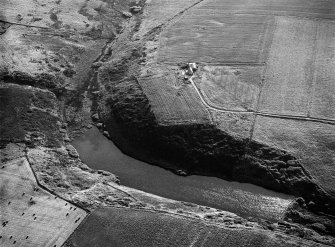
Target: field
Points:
x,y
312,142
302,8
236,124
248,49
208,36
299,78
159,12
323,100
230,88
268,57
231,32
129,227
289,71
31,216
171,100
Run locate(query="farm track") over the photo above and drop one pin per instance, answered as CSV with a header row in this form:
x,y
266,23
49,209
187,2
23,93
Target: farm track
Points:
x,y
257,112
264,114
25,25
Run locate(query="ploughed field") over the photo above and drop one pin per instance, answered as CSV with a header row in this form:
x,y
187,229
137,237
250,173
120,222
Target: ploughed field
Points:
x,y
267,66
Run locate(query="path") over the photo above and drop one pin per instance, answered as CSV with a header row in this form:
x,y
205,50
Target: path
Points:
x,y
264,114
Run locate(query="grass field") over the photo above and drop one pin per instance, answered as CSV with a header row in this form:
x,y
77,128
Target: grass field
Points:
x,y
115,227
238,125
289,72
230,88
299,78
207,35
172,100
302,8
232,31
34,217
312,142
298,54
323,100
160,12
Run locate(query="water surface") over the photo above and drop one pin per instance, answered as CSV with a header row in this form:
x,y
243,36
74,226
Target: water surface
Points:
x,y
241,198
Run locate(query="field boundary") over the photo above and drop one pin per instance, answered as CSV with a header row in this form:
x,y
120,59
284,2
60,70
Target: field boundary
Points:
x,y
88,212
23,171
189,217
312,85
236,226
220,63
264,114
268,44
50,191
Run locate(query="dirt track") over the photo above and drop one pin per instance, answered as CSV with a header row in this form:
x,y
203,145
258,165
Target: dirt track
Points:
x,y
297,117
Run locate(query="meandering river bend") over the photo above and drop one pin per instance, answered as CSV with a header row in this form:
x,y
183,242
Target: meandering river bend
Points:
x,y
241,198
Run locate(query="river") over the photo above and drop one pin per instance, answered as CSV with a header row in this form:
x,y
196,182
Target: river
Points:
x,y
241,198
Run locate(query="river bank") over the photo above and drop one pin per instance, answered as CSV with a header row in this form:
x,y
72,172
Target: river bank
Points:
x,y
244,199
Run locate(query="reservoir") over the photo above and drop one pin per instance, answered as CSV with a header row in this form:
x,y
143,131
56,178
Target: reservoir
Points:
x,y
241,198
